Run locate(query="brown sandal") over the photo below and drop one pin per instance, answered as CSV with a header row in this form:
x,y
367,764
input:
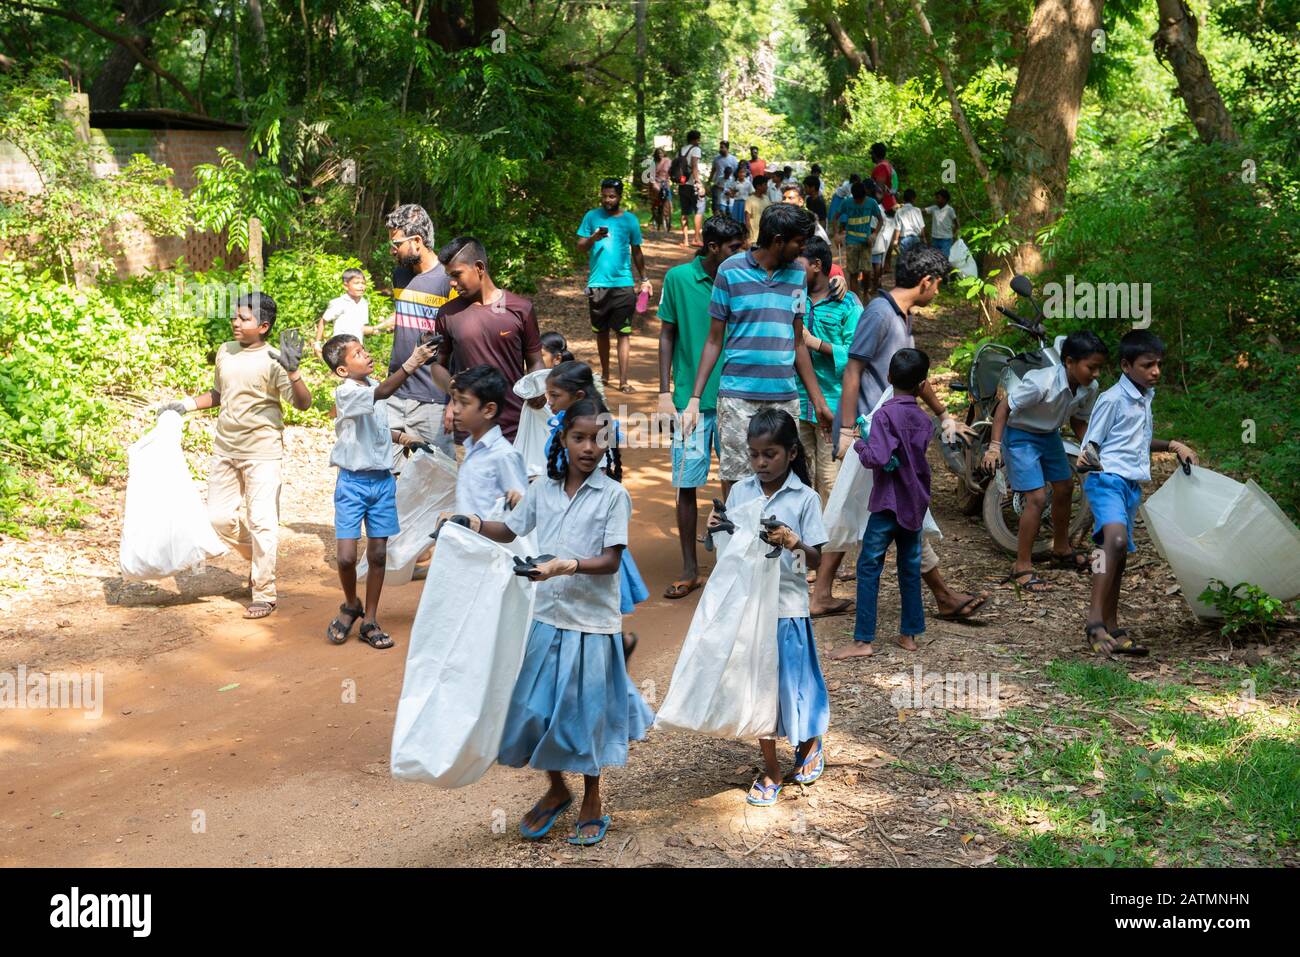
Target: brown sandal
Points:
x,y
259,609
682,588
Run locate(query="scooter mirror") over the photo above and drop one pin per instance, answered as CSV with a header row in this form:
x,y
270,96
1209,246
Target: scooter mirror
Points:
x,y
1021,286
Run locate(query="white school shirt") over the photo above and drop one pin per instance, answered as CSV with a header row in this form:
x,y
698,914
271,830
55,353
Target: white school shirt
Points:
x,y
1122,428
363,441
888,226
943,219
580,527
350,316
1043,401
490,469
744,187
910,221
798,506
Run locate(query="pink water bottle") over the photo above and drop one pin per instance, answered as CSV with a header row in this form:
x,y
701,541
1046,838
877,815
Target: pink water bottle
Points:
x,y
642,301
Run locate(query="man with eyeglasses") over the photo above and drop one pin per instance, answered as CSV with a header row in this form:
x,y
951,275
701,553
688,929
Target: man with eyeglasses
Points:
x,y
611,238
420,289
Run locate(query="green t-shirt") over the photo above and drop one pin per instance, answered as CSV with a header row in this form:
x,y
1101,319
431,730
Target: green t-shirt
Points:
x,y
835,323
684,303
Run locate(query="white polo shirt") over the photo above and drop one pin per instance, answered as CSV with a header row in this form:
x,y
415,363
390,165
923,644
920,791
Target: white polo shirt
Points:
x,y
490,469
349,316
580,527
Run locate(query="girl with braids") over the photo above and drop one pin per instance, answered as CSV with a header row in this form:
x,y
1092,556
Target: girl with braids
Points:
x,y
573,708
781,480
570,382
555,349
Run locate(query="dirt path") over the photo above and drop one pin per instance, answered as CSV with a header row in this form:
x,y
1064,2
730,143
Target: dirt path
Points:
x,y
226,742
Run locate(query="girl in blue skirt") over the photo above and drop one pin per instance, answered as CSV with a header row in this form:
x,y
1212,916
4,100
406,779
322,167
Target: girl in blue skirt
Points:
x,y
567,383
573,708
781,480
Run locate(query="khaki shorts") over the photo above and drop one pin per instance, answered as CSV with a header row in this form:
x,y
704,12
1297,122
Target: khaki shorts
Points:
x,y
821,465
857,258
733,430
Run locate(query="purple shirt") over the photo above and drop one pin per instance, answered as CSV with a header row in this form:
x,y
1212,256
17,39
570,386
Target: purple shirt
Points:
x,y
899,428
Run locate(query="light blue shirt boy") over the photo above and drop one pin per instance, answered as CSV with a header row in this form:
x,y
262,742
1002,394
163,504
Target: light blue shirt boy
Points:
x,y
490,469
1121,426
363,441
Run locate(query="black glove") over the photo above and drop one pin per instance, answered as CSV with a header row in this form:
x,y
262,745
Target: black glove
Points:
x,y
724,524
456,519
290,354
412,448
176,405
431,339
527,567
770,524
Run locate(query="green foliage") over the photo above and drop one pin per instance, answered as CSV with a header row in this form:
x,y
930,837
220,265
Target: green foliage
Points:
x,y
228,194
72,221
1244,607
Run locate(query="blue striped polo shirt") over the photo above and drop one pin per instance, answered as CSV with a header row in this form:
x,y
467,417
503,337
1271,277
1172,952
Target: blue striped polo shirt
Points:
x,y
759,310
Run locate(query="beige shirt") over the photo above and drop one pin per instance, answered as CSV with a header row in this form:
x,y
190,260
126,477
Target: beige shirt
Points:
x,y
754,207
251,384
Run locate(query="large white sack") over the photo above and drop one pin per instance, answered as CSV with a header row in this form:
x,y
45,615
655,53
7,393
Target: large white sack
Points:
x,y
530,439
847,507
466,649
725,682
425,489
960,258
166,528
1207,525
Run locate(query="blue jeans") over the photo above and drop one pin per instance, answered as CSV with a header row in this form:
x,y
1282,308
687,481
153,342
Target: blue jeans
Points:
x,y
943,245
883,528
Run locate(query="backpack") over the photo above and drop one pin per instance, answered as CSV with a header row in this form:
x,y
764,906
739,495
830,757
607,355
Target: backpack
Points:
x,y
680,170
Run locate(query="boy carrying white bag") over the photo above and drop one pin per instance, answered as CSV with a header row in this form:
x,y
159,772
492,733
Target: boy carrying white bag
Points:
x,y
166,528
425,489
466,649
725,680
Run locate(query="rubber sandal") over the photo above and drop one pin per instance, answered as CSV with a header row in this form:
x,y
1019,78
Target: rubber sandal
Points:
x,y
254,611
1103,647
764,801
375,636
1014,578
586,840
550,820
682,587
1071,560
337,632
846,606
963,613
1128,646
801,778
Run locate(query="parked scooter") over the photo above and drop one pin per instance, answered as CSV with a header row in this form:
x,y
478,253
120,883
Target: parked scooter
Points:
x,y
993,371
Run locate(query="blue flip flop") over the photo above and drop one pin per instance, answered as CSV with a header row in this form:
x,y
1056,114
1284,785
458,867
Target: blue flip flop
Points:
x,y
764,801
577,837
800,777
550,820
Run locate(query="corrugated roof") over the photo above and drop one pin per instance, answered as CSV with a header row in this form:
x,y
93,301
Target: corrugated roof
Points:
x,y
157,120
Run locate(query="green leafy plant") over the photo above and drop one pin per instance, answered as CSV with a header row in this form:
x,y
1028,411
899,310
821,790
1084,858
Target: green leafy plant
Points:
x,y
1245,607
226,195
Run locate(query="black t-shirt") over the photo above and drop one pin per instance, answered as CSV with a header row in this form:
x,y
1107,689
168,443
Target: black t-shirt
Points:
x,y
417,298
817,206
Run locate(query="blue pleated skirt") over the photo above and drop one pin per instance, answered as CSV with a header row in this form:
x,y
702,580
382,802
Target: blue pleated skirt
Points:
x,y
574,708
805,707
632,589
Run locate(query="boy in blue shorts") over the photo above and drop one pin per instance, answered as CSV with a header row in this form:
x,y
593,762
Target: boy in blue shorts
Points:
x,y
366,489
1120,436
1027,425
684,328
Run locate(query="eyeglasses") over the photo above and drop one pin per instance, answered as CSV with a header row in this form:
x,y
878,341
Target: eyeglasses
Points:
x,y
398,242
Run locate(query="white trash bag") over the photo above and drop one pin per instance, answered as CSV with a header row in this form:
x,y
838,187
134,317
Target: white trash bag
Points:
x,y
1207,525
425,489
960,258
166,528
533,431
467,646
847,507
725,682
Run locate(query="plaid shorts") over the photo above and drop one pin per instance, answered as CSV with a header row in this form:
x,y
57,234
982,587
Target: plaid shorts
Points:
x,y
733,429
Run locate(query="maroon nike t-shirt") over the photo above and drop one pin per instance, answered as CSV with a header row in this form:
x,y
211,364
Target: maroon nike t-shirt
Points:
x,y
501,335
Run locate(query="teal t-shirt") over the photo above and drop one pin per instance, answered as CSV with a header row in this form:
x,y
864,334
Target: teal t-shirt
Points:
x,y
857,219
610,259
685,304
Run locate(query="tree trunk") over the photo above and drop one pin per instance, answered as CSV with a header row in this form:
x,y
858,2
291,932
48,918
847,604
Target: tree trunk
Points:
x,y
856,58
1175,44
640,79
258,22
1039,129
118,67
